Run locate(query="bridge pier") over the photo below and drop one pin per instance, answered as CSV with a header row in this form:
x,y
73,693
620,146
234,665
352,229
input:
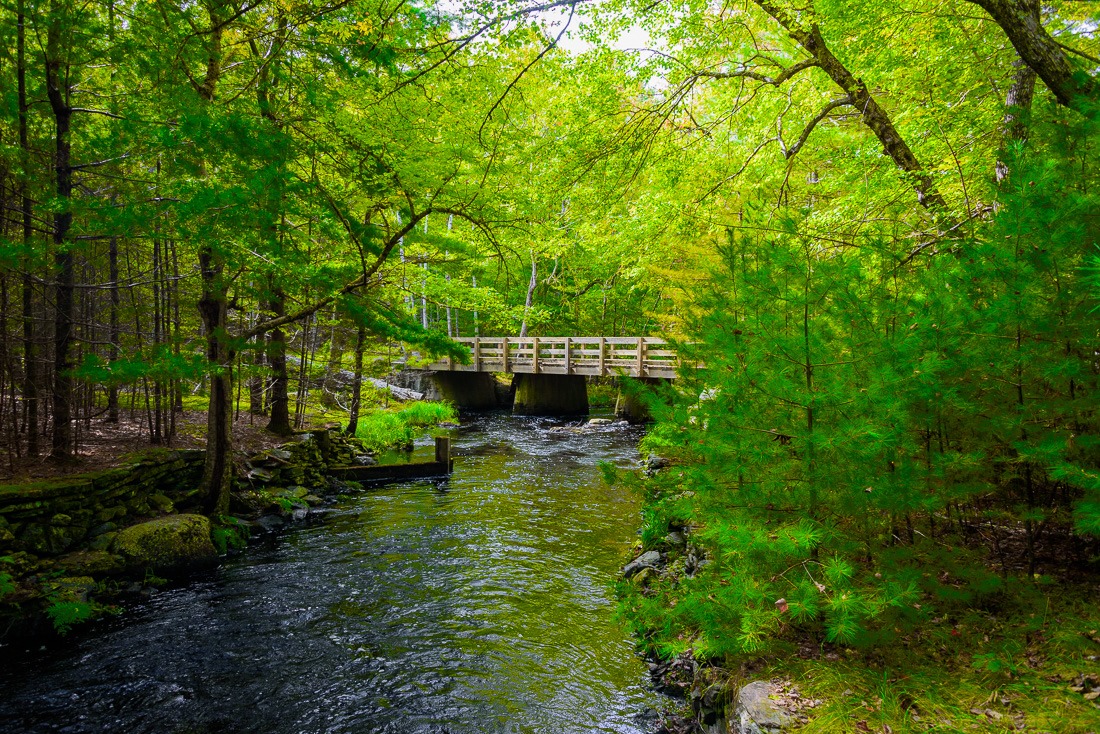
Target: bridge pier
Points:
x,y
472,390
550,395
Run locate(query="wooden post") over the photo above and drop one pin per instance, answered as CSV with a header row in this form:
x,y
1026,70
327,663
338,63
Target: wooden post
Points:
x,y
641,356
603,349
535,355
504,353
477,354
443,451
568,359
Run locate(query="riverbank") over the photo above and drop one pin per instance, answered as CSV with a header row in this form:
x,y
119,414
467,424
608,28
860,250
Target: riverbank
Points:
x,y
1026,659
75,547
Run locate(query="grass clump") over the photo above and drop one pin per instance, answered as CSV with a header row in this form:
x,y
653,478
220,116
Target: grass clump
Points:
x,y
386,429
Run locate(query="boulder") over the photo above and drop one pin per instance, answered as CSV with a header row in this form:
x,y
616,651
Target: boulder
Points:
x,y
758,710
655,464
270,523
649,559
399,393
168,542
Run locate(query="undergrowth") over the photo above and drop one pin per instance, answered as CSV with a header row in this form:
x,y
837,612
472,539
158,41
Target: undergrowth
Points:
x,y
386,429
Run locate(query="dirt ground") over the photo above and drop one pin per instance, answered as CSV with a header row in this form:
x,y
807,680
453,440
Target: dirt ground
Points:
x,y
102,445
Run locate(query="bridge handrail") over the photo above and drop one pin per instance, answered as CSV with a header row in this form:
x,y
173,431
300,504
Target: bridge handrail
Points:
x,y
634,356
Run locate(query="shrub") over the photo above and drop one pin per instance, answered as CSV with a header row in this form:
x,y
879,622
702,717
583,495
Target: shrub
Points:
x,y
385,429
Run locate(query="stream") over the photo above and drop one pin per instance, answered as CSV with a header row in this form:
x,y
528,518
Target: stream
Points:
x,y
477,604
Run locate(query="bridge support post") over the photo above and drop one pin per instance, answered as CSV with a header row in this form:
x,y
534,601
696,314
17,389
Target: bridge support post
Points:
x,y
629,404
544,394
473,390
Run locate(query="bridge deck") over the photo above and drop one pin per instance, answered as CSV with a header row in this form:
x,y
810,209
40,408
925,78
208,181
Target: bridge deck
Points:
x,y
567,355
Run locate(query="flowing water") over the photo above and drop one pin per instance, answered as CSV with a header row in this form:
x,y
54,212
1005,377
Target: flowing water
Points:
x,y
477,604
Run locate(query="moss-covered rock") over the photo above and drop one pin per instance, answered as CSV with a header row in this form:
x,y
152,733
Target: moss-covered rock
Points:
x,y
48,539
90,563
162,503
104,541
69,588
168,542
110,513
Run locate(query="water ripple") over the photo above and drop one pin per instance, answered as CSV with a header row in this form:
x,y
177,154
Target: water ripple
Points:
x,y
479,605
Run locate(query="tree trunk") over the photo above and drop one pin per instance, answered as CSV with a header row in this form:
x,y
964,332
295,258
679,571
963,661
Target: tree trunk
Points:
x,y
530,295
114,334
256,381
1017,117
30,359
57,76
357,383
213,307
279,402
217,475
1023,25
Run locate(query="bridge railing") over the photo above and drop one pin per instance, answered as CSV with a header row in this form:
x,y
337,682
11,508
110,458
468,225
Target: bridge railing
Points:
x,y
567,355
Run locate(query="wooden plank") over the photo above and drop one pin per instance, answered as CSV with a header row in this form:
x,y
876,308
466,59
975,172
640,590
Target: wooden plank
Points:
x,y
603,354
391,472
504,353
477,355
535,355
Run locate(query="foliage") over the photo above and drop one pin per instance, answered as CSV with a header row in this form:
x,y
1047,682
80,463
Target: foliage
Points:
x,y
384,429
7,581
229,534
871,437
66,614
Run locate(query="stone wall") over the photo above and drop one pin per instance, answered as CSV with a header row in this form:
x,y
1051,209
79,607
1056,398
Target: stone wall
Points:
x,y
52,517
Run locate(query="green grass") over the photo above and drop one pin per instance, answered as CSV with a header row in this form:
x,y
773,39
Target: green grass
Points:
x,y
386,429
1018,663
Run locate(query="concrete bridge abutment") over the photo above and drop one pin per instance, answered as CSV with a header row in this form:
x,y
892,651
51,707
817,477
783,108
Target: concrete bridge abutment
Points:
x,y
550,395
471,390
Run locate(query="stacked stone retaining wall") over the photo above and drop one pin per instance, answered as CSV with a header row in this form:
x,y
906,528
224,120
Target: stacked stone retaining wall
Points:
x,y
53,517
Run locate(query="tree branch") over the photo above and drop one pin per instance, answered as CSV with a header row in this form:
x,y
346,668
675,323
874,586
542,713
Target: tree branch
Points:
x,y
785,75
791,152
874,116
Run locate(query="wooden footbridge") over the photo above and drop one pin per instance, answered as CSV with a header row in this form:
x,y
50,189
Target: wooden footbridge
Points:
x,y
600,356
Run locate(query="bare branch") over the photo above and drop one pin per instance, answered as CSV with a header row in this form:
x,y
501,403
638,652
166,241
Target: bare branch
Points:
x,y
512,84
105,113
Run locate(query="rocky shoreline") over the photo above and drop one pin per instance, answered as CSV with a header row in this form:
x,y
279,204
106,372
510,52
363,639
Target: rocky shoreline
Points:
x,y
714,700
76,549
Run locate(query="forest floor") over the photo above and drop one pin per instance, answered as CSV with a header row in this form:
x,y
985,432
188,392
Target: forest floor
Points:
x,y
103,445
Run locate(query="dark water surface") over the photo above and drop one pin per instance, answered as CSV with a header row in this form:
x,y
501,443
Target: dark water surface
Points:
x,y
479,604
